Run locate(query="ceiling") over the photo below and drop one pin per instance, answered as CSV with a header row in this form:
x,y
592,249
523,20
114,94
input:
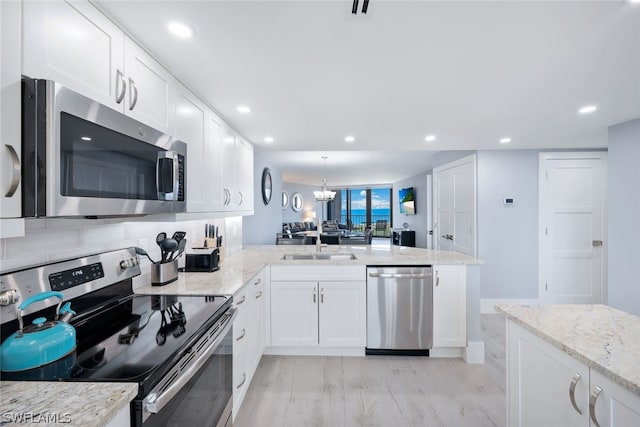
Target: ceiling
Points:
x,y
468,72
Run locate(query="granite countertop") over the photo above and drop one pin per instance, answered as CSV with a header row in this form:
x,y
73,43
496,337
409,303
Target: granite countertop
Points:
x,y
241,267
603,338
62,403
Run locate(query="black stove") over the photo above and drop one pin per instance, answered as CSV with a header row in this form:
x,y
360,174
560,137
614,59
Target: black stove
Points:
x,y
125,337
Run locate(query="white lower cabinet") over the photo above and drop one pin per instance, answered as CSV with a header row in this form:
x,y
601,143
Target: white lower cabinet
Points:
x,y
312,314
318,313
547,387
614,406
449,306
248,336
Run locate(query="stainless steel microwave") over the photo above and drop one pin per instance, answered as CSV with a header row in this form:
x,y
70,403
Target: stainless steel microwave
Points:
x,y
84,159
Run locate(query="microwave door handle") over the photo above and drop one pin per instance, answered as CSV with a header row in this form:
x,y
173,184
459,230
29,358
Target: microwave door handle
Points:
x,y
166,185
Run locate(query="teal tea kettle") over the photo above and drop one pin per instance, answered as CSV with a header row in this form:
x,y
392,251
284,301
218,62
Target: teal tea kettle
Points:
x,y
43,350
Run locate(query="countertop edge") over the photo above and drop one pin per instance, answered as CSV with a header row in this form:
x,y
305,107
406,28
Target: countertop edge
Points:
x,y
56,401
632,387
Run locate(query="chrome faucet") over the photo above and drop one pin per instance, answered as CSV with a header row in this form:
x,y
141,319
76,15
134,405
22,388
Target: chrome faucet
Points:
x,y
318,242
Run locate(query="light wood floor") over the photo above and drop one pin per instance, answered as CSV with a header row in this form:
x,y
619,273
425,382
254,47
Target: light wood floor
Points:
x,y
380,390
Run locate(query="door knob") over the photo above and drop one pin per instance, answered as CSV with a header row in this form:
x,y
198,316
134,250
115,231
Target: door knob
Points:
x,y
596,243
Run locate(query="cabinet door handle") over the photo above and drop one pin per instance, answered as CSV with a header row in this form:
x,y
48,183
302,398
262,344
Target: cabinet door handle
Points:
x,y
123,86
259,295
244,379
322,295
16,174
257,282
244,332
592,405
240,197
572,392
134,93
314,295
437,278
242,300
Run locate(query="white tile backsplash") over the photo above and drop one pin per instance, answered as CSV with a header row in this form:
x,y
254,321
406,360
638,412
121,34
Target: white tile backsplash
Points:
x,y
54,239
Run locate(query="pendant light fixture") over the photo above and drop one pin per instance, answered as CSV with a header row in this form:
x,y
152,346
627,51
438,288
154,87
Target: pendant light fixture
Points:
x,y
324,195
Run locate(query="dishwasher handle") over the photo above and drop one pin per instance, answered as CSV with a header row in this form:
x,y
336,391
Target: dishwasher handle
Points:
x,y
400,275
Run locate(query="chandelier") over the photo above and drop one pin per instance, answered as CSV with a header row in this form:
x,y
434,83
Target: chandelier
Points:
x,y
324,195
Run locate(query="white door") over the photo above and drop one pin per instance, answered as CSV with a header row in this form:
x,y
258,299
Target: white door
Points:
x,y
343,314
573,227
455,206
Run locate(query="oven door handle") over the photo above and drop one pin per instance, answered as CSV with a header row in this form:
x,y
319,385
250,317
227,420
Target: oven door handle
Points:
x,y
154,402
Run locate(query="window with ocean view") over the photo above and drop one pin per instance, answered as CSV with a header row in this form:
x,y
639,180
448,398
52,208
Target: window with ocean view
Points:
x,y
367,207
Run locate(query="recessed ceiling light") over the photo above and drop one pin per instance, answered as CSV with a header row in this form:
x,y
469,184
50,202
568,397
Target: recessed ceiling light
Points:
x,y
243,109
587,109
349,138
180,30
430,138
505,140
268,139
634,1
85,138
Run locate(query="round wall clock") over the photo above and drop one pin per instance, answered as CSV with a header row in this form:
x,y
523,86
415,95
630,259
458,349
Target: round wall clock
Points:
x,y
266,186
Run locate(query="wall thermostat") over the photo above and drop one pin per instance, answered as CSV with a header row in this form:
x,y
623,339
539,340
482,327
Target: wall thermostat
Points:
x,y
509,201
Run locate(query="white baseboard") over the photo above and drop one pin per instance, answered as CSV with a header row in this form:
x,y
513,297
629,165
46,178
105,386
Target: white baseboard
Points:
x,y
315,351
474,352
447,352
487,305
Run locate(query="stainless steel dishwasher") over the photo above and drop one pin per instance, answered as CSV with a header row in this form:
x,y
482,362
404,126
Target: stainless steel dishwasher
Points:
x,y
399,310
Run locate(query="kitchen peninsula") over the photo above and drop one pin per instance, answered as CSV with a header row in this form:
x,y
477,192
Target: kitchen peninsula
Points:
x,y
247,275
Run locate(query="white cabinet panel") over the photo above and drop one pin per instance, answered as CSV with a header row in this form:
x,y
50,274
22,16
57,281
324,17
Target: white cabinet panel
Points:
x,y
10,135
248,336
237,173
294,320
539,378
450,306
190,129
211,173
615,406
149,88
75,45
342,314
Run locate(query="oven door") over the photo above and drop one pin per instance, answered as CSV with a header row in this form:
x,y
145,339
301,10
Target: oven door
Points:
x,y
199,390
90,160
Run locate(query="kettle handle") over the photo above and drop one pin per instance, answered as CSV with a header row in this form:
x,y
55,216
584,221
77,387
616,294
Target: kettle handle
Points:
x,y
38,297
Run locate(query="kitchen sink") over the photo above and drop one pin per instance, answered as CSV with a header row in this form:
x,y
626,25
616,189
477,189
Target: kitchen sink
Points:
x,y
320,256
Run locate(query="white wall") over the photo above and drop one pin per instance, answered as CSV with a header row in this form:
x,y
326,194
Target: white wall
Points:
x,y
624,217
508,235
261,228
310,204
417,222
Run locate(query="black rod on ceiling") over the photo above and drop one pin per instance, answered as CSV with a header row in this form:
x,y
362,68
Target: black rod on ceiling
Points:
x,y
365,6
354,9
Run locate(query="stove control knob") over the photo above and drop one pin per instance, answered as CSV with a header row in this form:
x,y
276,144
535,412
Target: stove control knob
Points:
x,y
128,263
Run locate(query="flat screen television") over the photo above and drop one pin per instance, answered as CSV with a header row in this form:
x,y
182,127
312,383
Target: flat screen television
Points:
x,y
407,201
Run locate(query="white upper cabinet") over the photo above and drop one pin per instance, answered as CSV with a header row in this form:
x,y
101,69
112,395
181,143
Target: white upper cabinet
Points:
x,y
76,45
149,88
237,175
190,128
10,140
